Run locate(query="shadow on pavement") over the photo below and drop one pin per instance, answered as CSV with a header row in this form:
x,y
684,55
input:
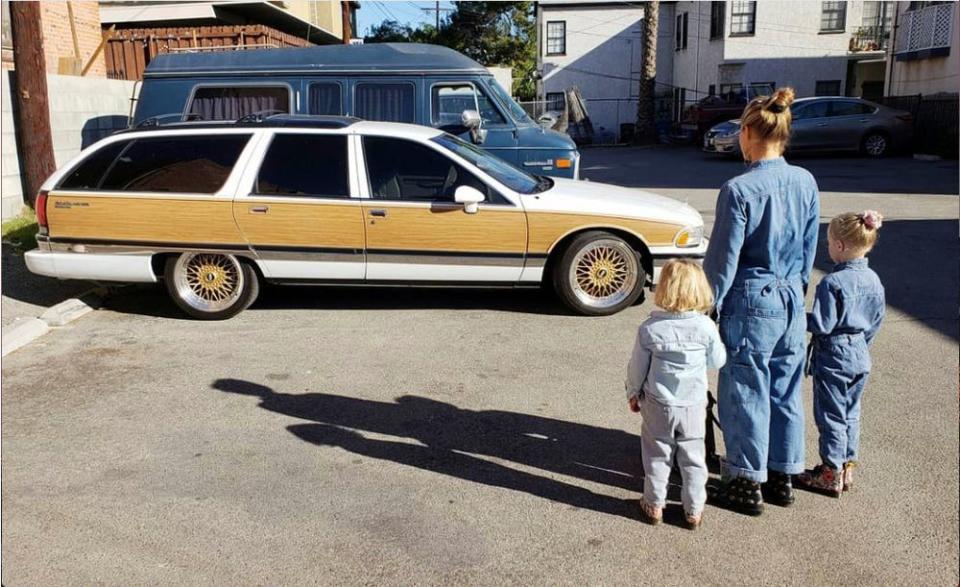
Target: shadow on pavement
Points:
x,y
21,285
917,263
446,434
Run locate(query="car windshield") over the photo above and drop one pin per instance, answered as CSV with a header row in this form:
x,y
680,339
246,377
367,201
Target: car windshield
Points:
x,y
518,113
510,176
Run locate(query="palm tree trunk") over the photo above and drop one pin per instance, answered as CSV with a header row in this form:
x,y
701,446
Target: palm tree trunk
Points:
x,y
646,122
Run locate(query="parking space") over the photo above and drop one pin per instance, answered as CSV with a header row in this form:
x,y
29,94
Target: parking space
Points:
x,y
402,436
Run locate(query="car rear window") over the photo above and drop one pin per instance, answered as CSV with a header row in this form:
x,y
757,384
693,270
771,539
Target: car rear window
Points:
x,y
87,175
186,164
309,165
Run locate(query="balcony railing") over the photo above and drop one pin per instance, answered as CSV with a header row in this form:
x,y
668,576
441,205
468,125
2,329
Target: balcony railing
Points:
x,y
870,38
927,29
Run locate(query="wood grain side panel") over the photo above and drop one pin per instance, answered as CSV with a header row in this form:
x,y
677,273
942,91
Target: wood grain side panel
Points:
x,y
166,220
546,228
301,224
446,228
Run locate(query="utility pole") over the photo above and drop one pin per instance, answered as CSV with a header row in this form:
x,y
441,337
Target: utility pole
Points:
x,y
436,8
345,21
32,124
646,113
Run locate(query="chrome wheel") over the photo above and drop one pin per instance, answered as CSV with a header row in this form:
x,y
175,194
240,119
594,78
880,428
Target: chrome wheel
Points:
x,y
875,145
208,282
603,273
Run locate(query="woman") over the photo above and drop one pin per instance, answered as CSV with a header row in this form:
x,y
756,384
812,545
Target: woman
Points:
x,y
761,252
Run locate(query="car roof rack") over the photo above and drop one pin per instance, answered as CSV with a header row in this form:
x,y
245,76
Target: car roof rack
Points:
x,y
253,120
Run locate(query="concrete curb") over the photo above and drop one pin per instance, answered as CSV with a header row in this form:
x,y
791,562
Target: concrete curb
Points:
x,y
22,333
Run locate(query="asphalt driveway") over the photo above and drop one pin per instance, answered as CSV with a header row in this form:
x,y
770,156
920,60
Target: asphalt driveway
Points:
x,y
389,436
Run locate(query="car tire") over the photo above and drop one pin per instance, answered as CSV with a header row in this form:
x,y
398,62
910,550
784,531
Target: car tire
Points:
x,y
875,144
211,286
599,274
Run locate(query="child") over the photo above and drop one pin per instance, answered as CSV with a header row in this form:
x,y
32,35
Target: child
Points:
x,y
667,384
847,312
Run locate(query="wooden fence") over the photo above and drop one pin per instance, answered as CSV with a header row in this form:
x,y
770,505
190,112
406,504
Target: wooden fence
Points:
x,y
129,51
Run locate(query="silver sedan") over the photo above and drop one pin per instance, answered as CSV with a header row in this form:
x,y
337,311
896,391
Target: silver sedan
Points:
x,y
830,124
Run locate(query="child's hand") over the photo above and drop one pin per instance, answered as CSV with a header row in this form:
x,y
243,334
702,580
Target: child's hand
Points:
x,y
634,404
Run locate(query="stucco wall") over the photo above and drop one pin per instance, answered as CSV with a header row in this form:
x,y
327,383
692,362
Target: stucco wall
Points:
x,y
931,75
82,110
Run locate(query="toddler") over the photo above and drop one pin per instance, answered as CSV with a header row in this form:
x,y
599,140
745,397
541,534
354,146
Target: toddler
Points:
x,y
847,312
667,384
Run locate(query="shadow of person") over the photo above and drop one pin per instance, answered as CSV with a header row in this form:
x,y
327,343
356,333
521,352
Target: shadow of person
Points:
x,y
466,467
591,453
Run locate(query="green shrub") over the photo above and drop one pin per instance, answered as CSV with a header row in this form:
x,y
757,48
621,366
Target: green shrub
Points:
x,y
21,232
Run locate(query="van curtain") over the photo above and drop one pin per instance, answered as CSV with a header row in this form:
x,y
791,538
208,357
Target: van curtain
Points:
x,y
386,102
235,103
325,99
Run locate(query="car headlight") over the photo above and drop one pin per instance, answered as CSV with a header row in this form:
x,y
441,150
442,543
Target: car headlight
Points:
x,y
691,236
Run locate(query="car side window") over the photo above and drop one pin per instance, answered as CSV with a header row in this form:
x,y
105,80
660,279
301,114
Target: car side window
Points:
x,y
87,175
325,98
846,108
307,165
812,110
388,102
184,164
447,103
235,102
403,170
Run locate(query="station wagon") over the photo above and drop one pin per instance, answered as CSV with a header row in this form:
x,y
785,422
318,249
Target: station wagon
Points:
x,y
215,210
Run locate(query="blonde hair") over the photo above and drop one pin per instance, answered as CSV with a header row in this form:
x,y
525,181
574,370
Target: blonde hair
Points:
x,y
858,231
768,117
683,287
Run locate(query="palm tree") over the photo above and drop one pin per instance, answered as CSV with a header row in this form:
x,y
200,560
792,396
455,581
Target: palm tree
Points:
x,y
646,123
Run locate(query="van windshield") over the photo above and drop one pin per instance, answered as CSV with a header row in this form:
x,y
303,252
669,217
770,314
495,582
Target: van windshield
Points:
x,y
516,111
510,176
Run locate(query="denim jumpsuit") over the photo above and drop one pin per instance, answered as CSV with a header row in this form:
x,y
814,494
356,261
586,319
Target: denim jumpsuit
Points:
x,y
847,313
668,372
759,260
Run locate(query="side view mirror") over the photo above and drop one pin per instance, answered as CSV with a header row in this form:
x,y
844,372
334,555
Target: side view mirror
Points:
x,y
471,119
469,197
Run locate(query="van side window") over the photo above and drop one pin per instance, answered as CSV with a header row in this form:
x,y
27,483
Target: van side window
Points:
x,y
385,102
325,99
407,171
185,164
305,165
86,176
232,103
449,101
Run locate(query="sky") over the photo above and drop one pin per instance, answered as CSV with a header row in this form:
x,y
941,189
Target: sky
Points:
x,y
373,13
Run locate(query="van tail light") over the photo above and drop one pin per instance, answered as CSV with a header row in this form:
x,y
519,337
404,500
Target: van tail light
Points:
x,y
40,206
905,117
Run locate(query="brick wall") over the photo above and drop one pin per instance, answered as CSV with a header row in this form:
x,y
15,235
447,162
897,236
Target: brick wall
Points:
x,y
58,40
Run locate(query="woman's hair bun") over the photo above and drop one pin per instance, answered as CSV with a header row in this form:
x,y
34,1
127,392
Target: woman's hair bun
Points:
x,y
780,100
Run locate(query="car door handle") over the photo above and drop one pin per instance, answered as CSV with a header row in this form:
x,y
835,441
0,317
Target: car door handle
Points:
x,y
379,213
259,209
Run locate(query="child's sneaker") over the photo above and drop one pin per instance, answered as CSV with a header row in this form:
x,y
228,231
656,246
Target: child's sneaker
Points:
x,y
848,475
824,479
693,520
738,494
778,489
650,513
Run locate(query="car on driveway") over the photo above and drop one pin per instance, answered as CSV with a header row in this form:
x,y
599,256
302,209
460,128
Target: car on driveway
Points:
x,y
830,124
213,210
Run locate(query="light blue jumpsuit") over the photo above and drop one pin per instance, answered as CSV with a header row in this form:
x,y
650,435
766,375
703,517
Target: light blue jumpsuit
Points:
x,y
759,260
847,313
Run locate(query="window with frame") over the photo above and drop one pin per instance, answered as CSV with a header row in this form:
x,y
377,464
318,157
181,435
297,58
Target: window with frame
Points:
x,y
403,170
325,98
743,18
305,165
556,101
833,17
182,164
388,102
683,20
827,88
733,93
761,89
447,103
716,19
235,102
849,108
87,175
557,37
6,41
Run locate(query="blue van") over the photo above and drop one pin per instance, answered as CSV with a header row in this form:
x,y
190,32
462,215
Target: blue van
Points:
x,y
396,82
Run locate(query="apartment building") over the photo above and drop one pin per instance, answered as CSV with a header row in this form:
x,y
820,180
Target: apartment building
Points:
x,y
711,48
925,49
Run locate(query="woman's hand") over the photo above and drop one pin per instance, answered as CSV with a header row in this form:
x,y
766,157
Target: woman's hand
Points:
x,y
634,404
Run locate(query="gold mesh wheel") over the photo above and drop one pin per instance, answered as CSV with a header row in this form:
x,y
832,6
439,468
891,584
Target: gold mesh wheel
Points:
x,y
603,273
208,282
